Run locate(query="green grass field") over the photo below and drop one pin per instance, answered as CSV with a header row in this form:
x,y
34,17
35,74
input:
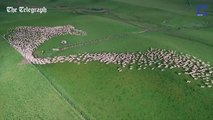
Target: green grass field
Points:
x,y
25,92
97,91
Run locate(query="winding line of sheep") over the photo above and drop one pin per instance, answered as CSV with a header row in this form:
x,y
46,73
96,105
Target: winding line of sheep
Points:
x,y
26,39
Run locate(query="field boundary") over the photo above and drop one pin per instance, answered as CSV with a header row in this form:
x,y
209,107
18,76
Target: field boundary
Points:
x,y
73,105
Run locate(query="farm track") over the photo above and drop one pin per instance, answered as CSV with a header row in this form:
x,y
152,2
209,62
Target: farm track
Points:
x,y
110,14
159,29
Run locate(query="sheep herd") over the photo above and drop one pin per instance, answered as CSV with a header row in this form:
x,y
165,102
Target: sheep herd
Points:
x,y
26,39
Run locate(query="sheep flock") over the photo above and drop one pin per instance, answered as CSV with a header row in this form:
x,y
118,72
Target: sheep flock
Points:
x,y
26,39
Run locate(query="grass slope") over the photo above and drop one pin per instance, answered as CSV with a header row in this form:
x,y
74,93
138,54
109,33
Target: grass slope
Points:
x,y
107,94
26,94
131,95
123,39
98,90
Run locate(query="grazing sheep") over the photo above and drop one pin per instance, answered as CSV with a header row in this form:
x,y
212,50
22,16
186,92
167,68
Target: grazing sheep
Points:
x,y
27,38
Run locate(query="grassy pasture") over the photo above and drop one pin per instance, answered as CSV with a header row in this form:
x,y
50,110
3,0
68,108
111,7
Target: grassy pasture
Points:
x,y
96,89
124,39
26,94
107,94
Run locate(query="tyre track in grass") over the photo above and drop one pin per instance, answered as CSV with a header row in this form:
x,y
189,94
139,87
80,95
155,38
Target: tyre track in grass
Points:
x,y
189,39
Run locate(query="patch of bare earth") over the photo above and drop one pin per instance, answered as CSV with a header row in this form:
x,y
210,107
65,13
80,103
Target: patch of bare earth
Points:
x,y
24,62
